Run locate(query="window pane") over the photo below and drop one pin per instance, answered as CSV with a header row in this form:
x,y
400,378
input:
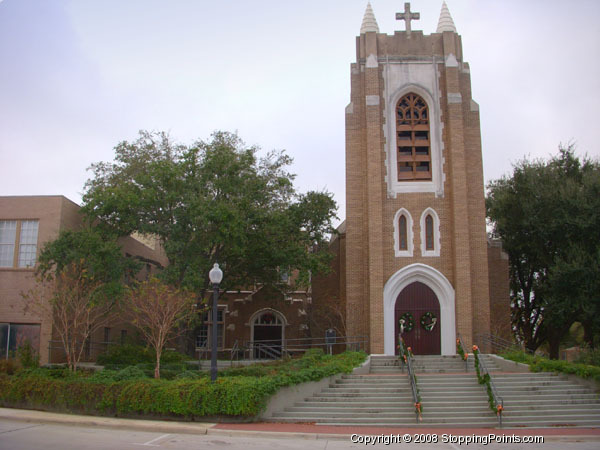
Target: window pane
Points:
x,y
402,232
429,232
28,243
8,234
20,334
202,336
3,340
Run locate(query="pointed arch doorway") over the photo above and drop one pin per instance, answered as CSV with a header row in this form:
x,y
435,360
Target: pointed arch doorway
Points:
x,y
416,301
444,292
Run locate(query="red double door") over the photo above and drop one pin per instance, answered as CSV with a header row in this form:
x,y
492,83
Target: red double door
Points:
x,y
416,300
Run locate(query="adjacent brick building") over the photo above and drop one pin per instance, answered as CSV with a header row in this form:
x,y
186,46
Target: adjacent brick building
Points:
x,y
26,224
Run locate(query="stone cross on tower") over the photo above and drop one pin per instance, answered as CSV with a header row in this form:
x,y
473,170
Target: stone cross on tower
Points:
x,y
407,16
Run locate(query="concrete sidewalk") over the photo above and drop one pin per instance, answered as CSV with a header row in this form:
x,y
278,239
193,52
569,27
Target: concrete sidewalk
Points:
x,y
291,430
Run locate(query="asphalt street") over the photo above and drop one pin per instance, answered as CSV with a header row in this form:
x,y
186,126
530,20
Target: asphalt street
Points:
x,y
17,435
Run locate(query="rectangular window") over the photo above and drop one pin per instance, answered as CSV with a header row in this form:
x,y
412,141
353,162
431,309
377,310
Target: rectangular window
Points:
x,y
15,335
123,336
28,243
8,234
18,243
106,334
204,333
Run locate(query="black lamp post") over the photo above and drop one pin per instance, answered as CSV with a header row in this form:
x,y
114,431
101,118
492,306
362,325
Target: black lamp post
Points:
x,y
215,275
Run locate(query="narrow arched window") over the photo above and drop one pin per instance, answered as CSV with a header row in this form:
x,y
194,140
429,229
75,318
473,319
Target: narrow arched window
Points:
x,y
429,232
402,233
413,138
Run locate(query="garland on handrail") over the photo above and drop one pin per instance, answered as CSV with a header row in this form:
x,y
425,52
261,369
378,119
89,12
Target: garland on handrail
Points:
x,y
461,351
405,353
485,379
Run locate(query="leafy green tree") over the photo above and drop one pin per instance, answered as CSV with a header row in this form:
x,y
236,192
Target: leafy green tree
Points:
x,y
213,201
98,253
548,217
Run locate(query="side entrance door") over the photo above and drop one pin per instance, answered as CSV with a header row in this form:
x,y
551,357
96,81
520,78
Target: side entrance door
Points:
x,y
417,301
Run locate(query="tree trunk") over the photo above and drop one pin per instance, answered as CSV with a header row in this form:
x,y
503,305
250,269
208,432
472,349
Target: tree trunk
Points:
x,y
157,367
554,345
588,332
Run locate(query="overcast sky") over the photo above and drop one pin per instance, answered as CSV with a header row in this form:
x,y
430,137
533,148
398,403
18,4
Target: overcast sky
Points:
x,y
78,76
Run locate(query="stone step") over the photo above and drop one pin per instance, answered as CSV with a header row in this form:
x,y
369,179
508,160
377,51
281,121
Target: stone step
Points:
x,y
375,378
349,415
409,420
362,399
537,421
561,412
543,402
364,389
363,396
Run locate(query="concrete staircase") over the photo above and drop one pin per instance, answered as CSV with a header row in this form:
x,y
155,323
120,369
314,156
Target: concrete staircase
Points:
x,y
357,399
546,399
450,395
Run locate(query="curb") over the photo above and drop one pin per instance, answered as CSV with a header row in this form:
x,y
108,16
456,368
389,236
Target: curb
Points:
x,y
23,415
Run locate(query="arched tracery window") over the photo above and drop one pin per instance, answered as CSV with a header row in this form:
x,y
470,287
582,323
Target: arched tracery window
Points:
x,y
268,318
413,138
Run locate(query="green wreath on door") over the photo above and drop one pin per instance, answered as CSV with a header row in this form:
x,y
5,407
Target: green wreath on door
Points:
x,y
428,321
409,322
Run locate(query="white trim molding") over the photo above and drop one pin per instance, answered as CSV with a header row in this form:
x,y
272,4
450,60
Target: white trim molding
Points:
x,y
409,234
435,145
437,240
254,316
442,289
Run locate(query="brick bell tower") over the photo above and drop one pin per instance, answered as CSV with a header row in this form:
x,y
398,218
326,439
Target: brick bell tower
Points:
x,y
416,233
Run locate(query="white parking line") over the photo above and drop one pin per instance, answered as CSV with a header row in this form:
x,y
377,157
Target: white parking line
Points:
x,y
151,442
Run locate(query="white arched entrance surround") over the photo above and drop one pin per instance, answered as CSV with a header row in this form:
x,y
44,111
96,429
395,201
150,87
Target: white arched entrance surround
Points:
x,y
279,322
444,292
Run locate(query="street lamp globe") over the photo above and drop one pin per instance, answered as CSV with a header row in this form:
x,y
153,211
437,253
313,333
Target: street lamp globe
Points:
x,y
215,275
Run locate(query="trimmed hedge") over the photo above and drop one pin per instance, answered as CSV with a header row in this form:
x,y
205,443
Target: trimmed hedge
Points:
x,y
231,395
129,355
540,364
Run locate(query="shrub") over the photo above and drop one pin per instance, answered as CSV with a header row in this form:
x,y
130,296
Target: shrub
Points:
x,y
540,364
126,355
120,356
590,356
28,357
126,392
192,374
8,366
171,356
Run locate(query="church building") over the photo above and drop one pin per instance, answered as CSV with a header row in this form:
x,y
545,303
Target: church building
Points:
x,y
417,252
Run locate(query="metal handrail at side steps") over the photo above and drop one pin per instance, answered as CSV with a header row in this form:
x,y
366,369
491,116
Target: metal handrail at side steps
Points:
x,y
462,345
498,401
235,351
271,351
499,344
411,377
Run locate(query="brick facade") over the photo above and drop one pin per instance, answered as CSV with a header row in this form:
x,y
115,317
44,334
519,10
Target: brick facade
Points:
x,y
432,66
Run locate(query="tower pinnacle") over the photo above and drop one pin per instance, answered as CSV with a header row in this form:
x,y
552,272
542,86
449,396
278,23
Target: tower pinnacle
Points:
x,y
369,22
445,23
